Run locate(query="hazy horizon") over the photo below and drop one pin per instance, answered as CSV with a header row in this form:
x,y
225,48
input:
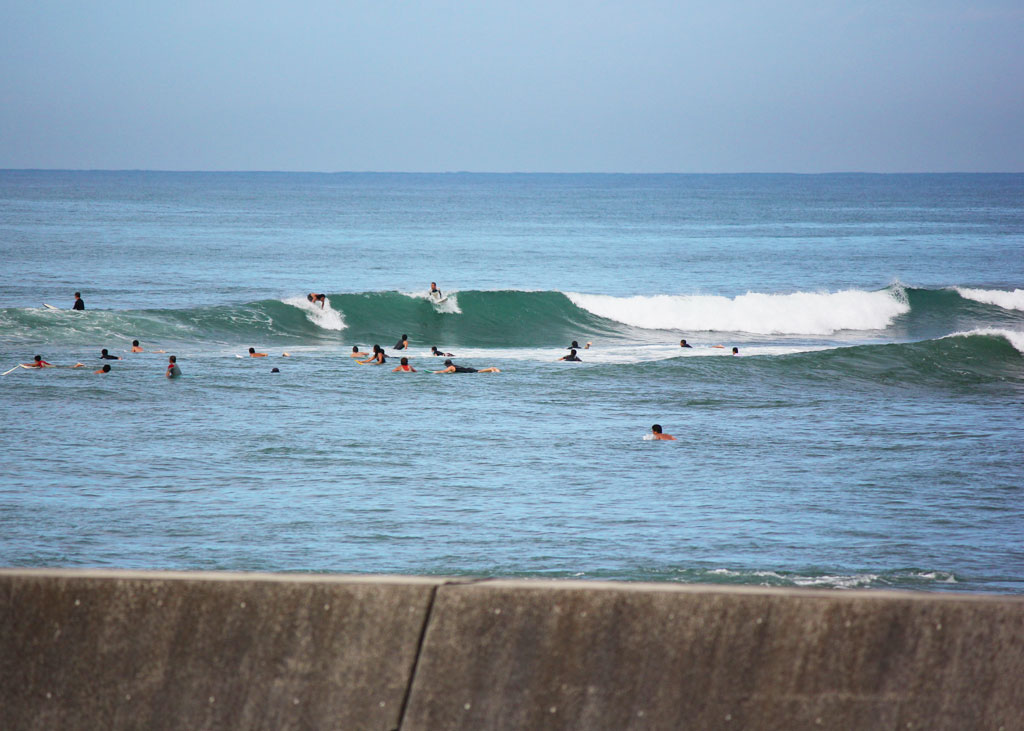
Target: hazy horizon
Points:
x,y
923,86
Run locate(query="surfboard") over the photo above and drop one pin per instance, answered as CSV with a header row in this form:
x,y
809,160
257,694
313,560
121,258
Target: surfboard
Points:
x,y
50,307
437,301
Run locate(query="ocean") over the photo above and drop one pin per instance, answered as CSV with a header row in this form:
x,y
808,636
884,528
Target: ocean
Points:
x,y
867,435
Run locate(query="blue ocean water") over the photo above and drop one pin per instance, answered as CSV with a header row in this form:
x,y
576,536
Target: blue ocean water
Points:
x,y
868,434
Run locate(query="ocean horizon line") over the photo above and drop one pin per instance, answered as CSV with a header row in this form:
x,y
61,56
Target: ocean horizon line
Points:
x,y
510,173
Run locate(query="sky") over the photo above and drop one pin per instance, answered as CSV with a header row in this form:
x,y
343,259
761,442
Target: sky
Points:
x,y
800,86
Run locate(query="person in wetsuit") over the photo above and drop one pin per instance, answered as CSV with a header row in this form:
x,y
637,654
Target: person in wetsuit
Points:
x,y
378,357
452,368
173,371
571,357
435,293
107,356
684,344
79,302
403,343
435,351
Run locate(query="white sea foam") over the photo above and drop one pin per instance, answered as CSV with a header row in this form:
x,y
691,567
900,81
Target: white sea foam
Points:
x,y
1007,300
613,354
1014,337
800,313
326,318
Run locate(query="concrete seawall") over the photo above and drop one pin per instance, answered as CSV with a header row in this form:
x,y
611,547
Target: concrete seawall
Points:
x,y
118,649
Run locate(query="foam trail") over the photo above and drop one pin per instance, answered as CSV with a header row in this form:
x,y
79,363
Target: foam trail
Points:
x,y
1014,337
800,313
325,318
1000,298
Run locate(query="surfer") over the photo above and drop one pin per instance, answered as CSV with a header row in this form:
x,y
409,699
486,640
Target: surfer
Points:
x,y
657,434
435,293
104,355
404,367
136,348
403,343
452,368
735,351
684,344
378,357
173,371
576,346
435,351
572,357
105,368
38,362
79,302
314,298
254,354
356,353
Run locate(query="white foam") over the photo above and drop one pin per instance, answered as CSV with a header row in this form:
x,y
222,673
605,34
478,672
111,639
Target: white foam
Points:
x,y
326,318
1000,298
616,354
1014,337
800,313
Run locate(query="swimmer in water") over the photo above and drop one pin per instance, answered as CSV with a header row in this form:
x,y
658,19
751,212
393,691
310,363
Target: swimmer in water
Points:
x,y
452,368
684,344
314,298
38,362
254,354
104,369
173,371
403,343
435,351
657,434
576,346
404,367
735,351
356,353
572,357
107,356
378,357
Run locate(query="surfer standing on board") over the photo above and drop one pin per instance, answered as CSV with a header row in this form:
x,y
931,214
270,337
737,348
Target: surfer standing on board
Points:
x,y
79,302
435,293
314,298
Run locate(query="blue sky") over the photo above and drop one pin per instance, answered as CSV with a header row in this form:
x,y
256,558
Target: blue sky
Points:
x,y
631,86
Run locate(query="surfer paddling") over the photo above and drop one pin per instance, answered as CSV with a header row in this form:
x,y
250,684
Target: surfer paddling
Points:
x,y
576,346
357,353
254,354
378,357
572,357
38,362
658,435
403,367
104,369
104,355
136,348
452,368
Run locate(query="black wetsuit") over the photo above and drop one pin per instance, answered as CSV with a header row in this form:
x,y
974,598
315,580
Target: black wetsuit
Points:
x,y
79,304
400,345
575,358
108,356
464,369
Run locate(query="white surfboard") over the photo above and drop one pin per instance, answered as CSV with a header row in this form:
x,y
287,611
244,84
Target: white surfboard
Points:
x,y
50,307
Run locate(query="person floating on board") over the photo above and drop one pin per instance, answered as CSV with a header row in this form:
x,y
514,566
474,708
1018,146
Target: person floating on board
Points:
x,y
107,356
656,434
452,368
435,293
136,348
403,367
435,351
576,346
104,369
356,353
38,362
254,354
173,371
314,298
79,302
403,343
735,351
571,357
378,357
684,344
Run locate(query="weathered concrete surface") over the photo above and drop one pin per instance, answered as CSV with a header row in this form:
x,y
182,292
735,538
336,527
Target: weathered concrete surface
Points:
x,y
132,650
109,650
519,655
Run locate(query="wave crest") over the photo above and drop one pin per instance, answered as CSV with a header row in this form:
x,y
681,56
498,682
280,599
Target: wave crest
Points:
x,y
1000,298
